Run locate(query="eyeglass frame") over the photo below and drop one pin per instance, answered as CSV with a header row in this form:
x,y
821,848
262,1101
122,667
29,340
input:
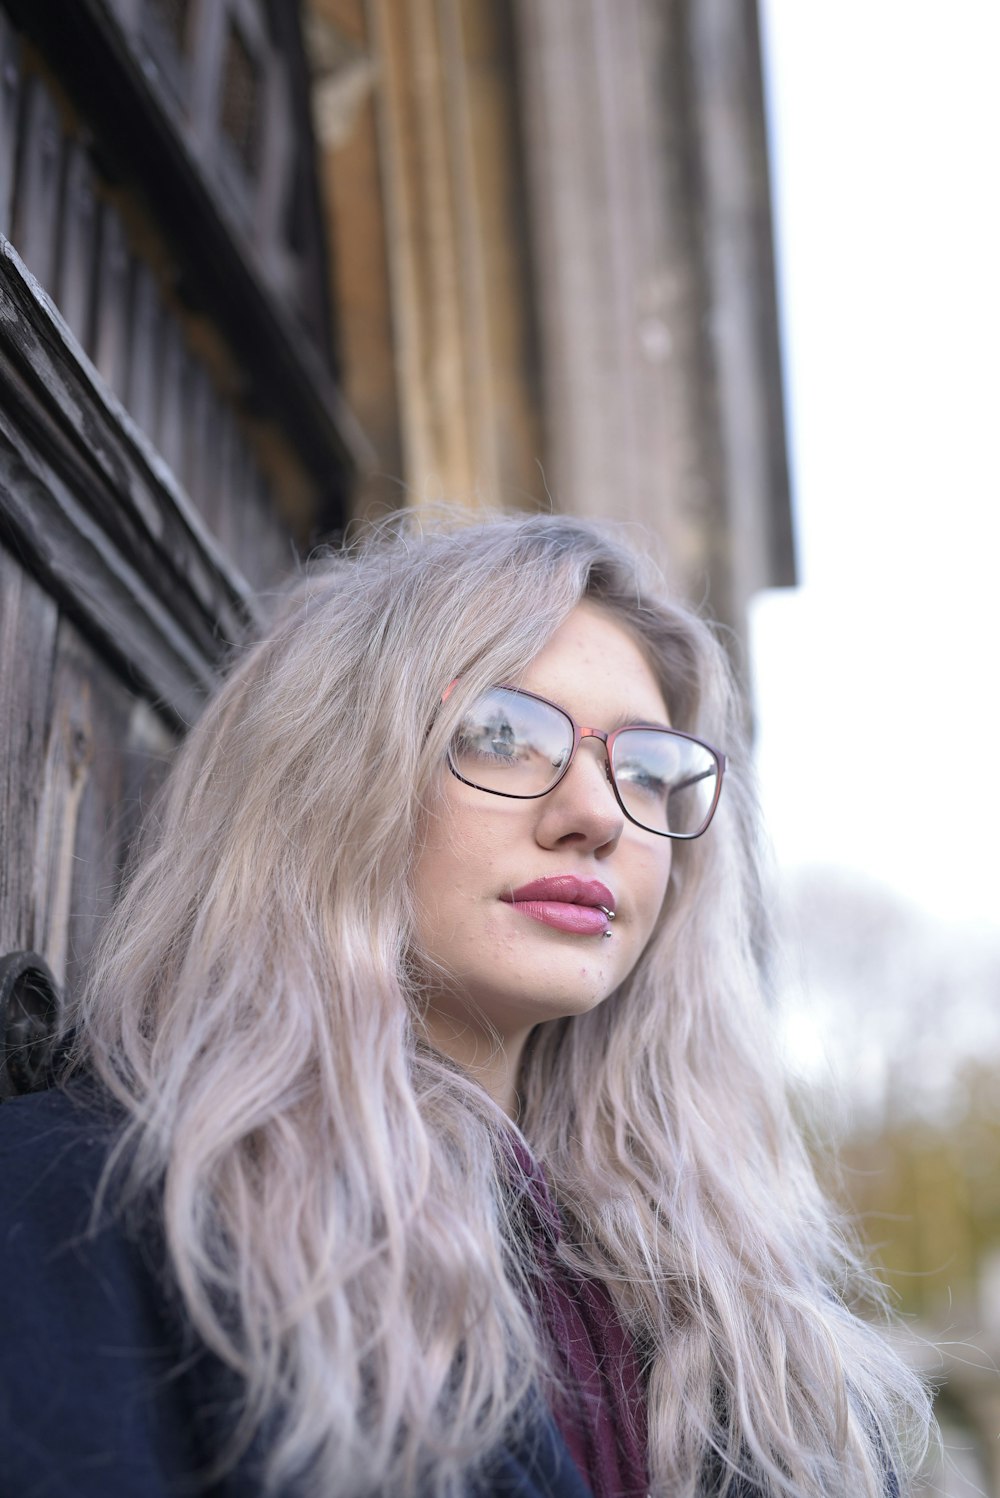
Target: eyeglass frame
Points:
x,y
607,738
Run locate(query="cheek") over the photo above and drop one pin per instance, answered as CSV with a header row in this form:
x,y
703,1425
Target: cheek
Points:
x,y
452,850
651,886
452,867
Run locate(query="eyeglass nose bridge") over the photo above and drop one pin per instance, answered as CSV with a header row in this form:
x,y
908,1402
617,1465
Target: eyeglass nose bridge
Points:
x,y
581,733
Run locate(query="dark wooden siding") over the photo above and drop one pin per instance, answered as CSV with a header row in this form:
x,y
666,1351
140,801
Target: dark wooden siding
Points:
x,y
171,433
118,297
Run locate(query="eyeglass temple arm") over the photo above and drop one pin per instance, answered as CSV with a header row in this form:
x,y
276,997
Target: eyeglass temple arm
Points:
x,y
682,785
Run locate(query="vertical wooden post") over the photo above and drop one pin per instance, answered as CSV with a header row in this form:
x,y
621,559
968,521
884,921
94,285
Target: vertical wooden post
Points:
x,y
634,248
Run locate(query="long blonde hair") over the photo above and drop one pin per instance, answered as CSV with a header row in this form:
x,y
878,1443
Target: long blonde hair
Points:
x,y
331,1188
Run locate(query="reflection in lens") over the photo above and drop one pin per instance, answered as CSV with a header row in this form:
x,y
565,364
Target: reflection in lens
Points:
x,y
666,782
511,743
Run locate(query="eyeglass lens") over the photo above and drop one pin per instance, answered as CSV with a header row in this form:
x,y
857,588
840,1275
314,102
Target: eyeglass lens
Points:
x,y
515,745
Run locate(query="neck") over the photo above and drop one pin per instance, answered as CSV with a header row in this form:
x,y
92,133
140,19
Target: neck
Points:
x,y
491,1058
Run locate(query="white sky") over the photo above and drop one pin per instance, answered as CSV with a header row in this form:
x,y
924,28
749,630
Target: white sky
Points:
x,y
879,679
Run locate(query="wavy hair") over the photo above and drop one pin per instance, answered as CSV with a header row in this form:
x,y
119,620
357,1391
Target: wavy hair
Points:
x,y
332,1188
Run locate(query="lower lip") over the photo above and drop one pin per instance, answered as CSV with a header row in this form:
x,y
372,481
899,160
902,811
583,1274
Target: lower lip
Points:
x,y
579,920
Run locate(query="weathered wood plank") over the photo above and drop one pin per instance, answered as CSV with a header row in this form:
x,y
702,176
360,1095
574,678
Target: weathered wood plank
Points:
x,y
112,301
200,428
36,208
126,485
80,565
172,427
145,341
243,514
231,527
249,522
104,70
73,749
100,514
147,752
96,775
74,290
275,557
166,53
207,49
104,753
217,436
128,12
28,618
276,166
10,103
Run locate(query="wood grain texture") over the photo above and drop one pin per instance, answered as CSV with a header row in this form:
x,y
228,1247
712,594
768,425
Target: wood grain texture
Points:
x,y
279,334
39,188
67,765
662,396
177,367
102,757
145,340
99,516
74,288
10,99
111,301
118,602
28,619
81,757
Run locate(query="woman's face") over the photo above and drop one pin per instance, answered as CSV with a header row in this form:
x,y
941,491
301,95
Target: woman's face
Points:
x,y
503,963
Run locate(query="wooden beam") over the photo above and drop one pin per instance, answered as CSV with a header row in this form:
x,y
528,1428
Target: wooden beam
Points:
x,y
98,517
133,120
644,131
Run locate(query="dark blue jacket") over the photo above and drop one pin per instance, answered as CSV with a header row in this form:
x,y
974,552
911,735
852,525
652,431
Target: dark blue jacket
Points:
x,y
102,1393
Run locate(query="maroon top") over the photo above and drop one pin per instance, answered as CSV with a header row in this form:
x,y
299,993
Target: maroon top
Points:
x,y
603,1418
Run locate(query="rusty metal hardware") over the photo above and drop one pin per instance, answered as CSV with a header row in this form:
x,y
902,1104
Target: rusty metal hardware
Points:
x,y
29,1011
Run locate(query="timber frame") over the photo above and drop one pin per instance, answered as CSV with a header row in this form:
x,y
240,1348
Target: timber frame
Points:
x,y
173,436
102,57
96,514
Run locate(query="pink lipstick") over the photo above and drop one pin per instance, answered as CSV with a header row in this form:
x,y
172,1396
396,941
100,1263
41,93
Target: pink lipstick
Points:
x,y
583,907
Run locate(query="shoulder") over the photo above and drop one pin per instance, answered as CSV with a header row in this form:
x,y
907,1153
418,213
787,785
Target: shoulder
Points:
x,y
53,1150
59,1137
101,1388
90,1401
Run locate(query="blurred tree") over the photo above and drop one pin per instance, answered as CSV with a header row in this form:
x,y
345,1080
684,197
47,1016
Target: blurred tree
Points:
x,y
892,1024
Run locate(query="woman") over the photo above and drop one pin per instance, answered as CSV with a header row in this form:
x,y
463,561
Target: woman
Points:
x,y
449,1154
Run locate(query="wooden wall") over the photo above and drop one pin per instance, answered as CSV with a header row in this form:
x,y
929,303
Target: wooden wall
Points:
x,y
81,755
647,167
93,245
116,603
172,436
571,258
428,218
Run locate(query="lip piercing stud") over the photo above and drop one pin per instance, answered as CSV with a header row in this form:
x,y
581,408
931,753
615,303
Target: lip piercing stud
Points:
x,y
609,913
606,935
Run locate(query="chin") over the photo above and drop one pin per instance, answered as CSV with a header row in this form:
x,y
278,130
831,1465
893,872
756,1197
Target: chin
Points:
x,y
520,1009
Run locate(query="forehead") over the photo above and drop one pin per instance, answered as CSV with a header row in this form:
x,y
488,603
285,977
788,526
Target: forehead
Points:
x,y
596,668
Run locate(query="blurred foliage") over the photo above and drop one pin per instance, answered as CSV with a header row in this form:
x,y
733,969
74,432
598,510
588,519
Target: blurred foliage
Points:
x,y
893,1023
926,1193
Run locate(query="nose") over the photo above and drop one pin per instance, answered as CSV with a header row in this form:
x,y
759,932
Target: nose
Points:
x,y
583,810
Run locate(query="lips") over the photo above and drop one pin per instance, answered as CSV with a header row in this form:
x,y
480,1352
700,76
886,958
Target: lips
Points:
x,y
582,907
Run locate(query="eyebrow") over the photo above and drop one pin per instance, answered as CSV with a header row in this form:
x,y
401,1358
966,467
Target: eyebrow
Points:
x,y
637,720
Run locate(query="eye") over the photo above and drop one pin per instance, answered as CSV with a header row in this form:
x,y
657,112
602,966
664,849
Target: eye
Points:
x,y
642,778
502,741
494,742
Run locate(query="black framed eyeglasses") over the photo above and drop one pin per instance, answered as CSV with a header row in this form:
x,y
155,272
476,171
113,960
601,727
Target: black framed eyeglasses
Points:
x,y
515,743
